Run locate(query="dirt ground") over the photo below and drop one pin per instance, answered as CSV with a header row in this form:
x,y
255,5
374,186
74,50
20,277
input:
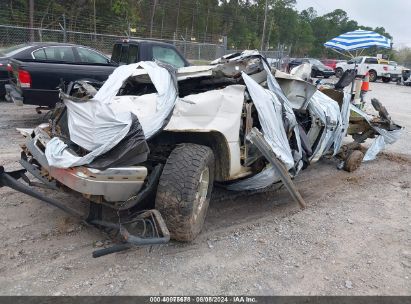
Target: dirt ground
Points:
x,y
353,239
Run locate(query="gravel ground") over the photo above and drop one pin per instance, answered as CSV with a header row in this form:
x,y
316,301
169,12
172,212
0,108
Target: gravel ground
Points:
x,y
353,239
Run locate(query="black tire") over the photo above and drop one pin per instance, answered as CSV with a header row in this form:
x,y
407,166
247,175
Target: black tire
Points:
x,y
338,72
386,79
326,77
180,198
373,76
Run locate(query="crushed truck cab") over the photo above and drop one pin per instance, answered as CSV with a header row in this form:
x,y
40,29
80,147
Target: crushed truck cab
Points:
x,y
156,137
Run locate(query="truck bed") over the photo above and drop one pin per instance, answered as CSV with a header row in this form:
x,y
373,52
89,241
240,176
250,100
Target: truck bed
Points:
x,y
41,79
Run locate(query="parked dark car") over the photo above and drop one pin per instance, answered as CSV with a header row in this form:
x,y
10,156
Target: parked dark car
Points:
x,y
318,69
38,70
35,78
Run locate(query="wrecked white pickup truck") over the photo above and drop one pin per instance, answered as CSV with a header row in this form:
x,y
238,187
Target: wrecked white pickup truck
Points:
x,y
153,137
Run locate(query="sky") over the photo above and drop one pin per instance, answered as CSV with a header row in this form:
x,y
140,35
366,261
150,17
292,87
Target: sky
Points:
x,y
393,15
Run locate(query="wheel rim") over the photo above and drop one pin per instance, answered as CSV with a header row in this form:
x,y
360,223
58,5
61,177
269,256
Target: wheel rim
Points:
x,y
201,195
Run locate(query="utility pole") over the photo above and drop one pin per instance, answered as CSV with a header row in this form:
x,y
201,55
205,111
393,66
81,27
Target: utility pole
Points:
x,y
265,21
31,17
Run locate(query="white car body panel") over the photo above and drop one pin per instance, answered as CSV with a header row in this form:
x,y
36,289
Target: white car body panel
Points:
x,y
217,110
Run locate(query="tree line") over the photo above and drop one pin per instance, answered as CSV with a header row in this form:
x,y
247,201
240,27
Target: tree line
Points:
x,y
241,21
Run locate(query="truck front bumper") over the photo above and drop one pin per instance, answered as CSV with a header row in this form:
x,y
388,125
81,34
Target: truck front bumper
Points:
x,y
114,184
392,77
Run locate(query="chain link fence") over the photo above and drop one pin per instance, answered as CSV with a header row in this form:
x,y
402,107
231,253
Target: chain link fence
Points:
x,y
12,35
196,52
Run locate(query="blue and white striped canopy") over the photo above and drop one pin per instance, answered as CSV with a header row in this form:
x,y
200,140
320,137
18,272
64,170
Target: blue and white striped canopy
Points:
x,y
358,39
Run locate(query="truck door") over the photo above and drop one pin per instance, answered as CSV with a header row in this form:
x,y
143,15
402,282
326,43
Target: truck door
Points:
x,y
368,62
168,55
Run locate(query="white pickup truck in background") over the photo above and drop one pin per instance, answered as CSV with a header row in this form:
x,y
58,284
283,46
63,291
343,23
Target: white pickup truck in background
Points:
x,y
385,72
395,71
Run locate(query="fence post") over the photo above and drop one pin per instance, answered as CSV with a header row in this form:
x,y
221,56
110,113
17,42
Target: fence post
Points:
x,y
31,13
64,28
185,45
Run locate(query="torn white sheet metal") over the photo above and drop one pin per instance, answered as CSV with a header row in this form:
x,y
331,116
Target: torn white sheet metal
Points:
x,y
101,123
215,110
240,56
25,131
385,137
194,71
327,111
268,176
302,71
212,111
345,122
274,87
115,81
261,180
298,91
269,110
379,143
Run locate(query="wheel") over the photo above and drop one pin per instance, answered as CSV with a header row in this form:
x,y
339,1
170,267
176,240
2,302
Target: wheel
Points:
x,y
386,79
353,161
338,72
326,77
184,190
373,76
